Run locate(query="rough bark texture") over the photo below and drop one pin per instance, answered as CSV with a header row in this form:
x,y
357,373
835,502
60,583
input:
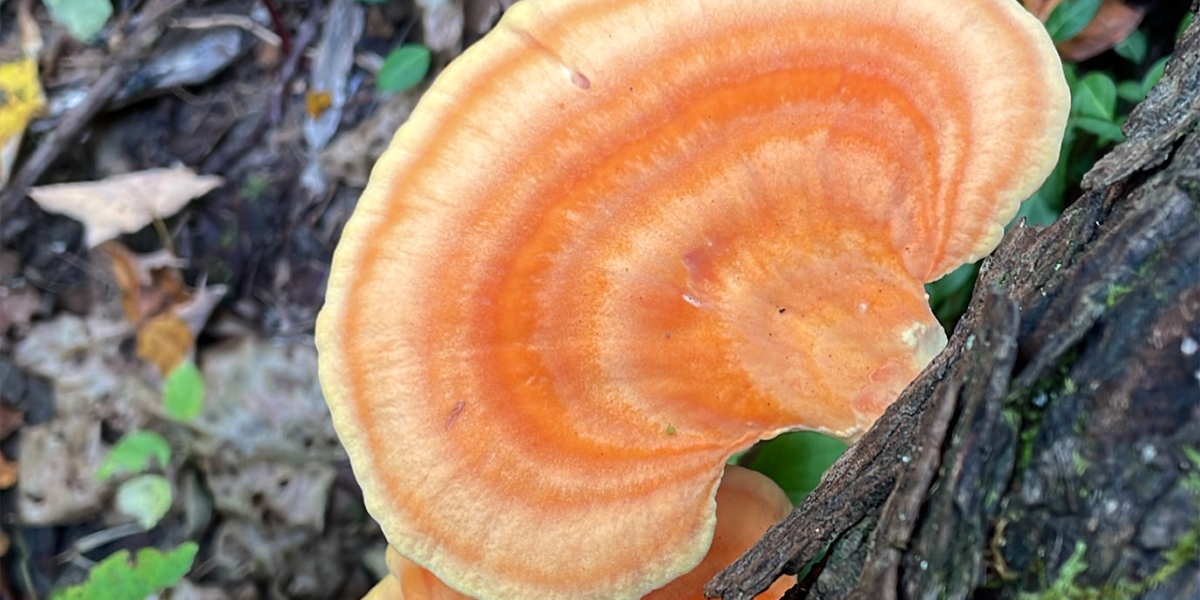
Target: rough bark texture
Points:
x,y
1053,450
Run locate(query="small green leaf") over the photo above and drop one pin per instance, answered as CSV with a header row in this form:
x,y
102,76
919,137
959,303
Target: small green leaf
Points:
x,y
134,454
1095,96
1046,204
1104,129
115,578
1133,47
1183,25
1070,17
83,19
1130,91
404,68
183,392
1153,75
796,461
948,296
1071,74
146,498
1193,455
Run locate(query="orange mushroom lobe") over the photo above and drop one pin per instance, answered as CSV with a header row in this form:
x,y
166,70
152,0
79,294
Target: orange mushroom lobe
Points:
x,y
620,240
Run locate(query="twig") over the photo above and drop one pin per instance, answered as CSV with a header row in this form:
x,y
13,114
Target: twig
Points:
x,y
74,121
240,21
278,22
103,537
220,161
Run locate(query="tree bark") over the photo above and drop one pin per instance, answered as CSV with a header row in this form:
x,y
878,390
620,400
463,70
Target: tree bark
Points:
x,y
1053,449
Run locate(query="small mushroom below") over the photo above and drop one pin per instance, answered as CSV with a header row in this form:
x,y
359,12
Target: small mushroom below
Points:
x,y
748,503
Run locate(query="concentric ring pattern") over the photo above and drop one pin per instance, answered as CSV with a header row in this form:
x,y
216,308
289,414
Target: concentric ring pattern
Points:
x,y
620,240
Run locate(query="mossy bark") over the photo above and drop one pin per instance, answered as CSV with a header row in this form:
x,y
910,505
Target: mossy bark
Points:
x,y
1053,450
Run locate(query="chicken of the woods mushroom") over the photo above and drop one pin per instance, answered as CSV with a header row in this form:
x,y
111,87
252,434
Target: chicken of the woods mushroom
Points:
x,y
620,240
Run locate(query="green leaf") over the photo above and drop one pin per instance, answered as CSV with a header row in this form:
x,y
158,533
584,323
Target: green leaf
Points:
x,y
1104,129
1183,25
1153,75
404,68
1131,91
115,578
183,392
83,19
134,454
1046,204
1095,96
796,461
146,498
1070,17
1071,74
1133,47
948,296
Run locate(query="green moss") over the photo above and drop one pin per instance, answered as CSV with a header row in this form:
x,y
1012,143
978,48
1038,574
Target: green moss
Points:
x,y
1178,557
1064,586
1081,464
1182,555
1152,260
1068,386
1192,188
1115,292
253,186
1023,410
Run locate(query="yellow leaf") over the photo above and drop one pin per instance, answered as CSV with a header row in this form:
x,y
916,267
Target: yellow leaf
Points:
x,y
9,472
21,100
21,97
316,103
165,341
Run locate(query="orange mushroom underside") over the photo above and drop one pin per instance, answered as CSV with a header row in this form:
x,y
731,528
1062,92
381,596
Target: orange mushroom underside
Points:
x,y
618,241
748,503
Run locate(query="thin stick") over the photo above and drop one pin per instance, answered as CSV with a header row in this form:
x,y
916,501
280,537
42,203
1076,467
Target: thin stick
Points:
x,y
220,161
241,21
74,121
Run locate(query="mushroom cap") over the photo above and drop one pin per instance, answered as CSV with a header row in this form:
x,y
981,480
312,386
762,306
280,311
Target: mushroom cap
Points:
x,y
619,240
748,503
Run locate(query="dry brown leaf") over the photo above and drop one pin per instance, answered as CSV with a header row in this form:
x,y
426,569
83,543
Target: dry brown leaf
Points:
x,y
31,32
351,154
482,15
186,590
442,23
1112,24
164,341
82,359
11,419
60,459
17,307
4,543
124,203
264,401
196,310
10,470
1041,8
274,493
139,297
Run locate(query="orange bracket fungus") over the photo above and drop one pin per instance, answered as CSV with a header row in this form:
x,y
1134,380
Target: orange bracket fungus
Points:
x,y
620,240
747,504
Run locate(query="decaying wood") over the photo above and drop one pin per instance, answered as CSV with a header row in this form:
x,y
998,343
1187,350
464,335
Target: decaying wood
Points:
x,y
1053,449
